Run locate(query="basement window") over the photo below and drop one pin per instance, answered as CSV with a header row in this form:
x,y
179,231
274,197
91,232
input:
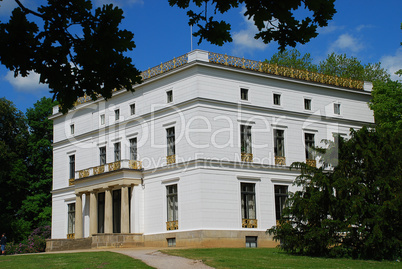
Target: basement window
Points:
x,y
251,241
171,242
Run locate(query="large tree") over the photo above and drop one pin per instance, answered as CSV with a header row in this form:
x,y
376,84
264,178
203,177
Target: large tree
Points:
x,y
78,50
275,20
13,169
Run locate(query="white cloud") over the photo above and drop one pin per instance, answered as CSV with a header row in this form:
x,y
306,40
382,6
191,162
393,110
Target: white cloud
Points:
x,y
332,27
29,84
346,42
393,63
244,39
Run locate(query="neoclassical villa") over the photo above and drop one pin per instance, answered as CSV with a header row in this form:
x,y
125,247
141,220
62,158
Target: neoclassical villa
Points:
x,y
198,155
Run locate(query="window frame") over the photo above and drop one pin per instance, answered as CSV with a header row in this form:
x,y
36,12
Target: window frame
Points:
x,y
337,108
280,200
171,141
72,128
277,101
71,218
244,94
117,114
309,144
246,143
169,96
117,151
133,149
172,203
309,102
276,139
245,197
132,109
72,166
102,153
102,119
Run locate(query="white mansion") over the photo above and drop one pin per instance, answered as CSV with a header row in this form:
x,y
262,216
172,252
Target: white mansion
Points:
x,y
197,156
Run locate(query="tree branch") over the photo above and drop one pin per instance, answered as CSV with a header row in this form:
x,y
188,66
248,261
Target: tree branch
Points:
x,y
27,10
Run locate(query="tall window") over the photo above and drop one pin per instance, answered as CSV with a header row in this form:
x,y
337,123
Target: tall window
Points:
x,y
279,139
245,138
132,109
102,155
102,119
169,96
281,195
248,210
71,218
72,166
309,142
171,148
244,94
307,104
117,114
277,99
117,152
337,109
172,205
133,149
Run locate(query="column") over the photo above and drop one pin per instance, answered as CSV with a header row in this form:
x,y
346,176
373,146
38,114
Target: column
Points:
x,y
108,211
78,216
125,214
93,214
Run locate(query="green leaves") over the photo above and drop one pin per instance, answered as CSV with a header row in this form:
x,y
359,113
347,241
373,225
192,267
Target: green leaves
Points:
x,y
76,52
273,19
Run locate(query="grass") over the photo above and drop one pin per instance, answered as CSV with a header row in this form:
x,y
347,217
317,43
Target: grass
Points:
x,y
102,259
271,258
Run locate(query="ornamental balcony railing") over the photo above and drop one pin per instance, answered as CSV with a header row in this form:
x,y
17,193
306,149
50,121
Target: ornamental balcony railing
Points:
x,y
284,71
71,182
164,67
170,159
246,157
114,166
172,225
249,223
70,236
279,160
311,163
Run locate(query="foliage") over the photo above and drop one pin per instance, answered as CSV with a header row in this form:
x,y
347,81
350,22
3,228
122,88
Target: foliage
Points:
x,y
26,170
275,20
352,210
268,258
335,65
387,105
36,242
76,52
13,169
100,259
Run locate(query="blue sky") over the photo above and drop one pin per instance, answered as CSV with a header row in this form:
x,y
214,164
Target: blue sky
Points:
x,y
369,30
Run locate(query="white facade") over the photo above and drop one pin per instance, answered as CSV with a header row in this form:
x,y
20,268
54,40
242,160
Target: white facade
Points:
x,y
206,103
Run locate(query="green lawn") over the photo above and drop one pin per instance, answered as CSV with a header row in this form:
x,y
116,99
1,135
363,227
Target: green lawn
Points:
x,y
270,258
102,259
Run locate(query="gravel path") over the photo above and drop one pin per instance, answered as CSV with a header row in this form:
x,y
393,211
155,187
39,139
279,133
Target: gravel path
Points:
x,y
159,260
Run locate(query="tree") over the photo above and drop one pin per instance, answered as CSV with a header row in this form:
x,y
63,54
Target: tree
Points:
x,y
13,169
275,20
335,65
293,59
353,210
36,207
76,52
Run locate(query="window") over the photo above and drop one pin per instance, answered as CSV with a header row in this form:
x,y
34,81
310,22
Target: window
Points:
x,y
277,99
72,128
133,149
248,201
281,195
171,149
71,219
245,139
307,104
117,152
337,109
169,96
117,114
171,242
102,119
172,205
279,147
102,155
132,109
251,241
72,166
309,143
244,94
